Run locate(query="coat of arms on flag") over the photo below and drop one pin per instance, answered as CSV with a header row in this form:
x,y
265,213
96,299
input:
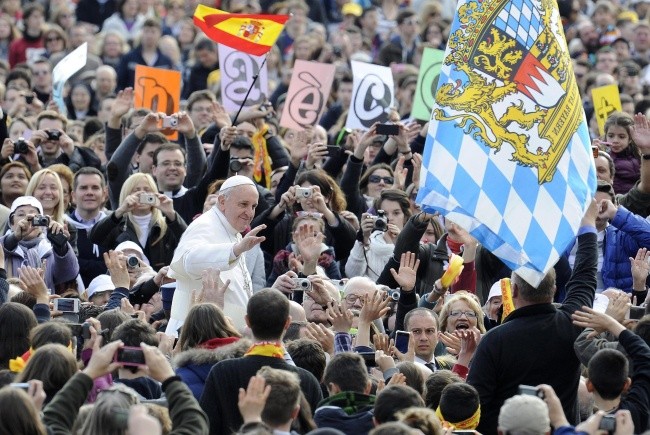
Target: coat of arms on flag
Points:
x,y
508,150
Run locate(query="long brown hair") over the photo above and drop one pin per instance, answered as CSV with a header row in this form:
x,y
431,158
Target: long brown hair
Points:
x,y
20,416
328,187
204,322
53,364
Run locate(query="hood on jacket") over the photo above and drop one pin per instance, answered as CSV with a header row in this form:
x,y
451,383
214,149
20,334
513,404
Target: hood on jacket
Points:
x,y
198,356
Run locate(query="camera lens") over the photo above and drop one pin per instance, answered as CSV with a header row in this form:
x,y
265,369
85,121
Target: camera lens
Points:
x,y
235,166
132,262
304,284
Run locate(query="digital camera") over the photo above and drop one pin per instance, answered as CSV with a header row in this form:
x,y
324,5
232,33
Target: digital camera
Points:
x,y
235,165
148,198
40,221
132,262
53,134
381,223
301,285
20,146
303,192
169,122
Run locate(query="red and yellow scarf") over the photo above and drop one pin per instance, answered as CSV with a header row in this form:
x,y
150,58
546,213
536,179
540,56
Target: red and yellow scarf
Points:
x,y
266,348
262,160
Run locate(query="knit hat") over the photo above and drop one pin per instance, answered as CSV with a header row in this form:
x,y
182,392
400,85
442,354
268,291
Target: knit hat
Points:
x,y
524,415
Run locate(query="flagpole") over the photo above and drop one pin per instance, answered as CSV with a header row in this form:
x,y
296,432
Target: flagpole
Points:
x,y
241,106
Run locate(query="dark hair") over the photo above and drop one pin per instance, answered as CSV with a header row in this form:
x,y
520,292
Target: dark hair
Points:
x,y
242,143
53,364
604,187
16,322
392,428
348,371
421,311
434,385
17,74
309,355
135,331
152,22
267,312
394,398
87,170
414,378
204,322
642,328
399,197
205,44
155,137
403,15
30,8
610,162
328,188
167,147
111,319
50,333
52,115
20,416
363,182
458,402
128,118
607,371
622,119
203,94
25,299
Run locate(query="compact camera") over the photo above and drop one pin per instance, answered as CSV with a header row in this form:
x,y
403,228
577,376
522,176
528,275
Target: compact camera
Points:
x,y
130,356
608,423
393,294
235,165
169,122
301,285
381,223
148,198
303,192
53,134
40,221
20,146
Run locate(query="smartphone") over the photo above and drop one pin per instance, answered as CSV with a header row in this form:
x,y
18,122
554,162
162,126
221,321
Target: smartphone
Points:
x,y
595,151
66,305
608,423
333,150
527,390
130,356
637,312
388,129
21,385
369,359
402,341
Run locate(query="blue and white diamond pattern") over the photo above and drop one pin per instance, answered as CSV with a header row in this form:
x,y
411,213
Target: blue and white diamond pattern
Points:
x,y
521,20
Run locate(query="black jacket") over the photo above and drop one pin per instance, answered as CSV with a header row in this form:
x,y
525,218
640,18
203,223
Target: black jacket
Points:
x,y
534,345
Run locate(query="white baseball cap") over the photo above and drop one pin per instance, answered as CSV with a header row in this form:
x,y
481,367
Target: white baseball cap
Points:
x,y
26,200
101,283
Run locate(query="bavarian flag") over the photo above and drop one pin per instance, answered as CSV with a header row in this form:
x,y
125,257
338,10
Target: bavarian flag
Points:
x,y
508,152
253,34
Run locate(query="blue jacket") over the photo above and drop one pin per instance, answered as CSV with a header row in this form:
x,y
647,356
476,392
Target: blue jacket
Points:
x,y
126,70
623,238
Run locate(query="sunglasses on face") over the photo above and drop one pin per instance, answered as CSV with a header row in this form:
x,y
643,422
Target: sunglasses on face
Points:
x,y
377,179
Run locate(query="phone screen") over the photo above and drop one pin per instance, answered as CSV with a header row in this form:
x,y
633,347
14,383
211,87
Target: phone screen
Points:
x,y
129,355
402,341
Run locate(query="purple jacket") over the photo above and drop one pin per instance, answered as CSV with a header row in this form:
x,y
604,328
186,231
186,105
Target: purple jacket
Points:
x,y
628,170
58,270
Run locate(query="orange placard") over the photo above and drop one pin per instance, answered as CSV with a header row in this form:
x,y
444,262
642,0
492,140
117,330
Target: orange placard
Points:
x,y
158,90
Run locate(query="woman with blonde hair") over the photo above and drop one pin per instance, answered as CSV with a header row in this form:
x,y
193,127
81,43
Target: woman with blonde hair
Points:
x,y
461,311
144,217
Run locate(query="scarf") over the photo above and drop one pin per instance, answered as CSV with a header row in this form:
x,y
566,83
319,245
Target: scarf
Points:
x,y
506,295
17,365
470,423
214,343
262,160
266,348
453,245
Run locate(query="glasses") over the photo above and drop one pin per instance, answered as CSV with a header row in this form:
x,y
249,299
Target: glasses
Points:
x,y
53,39
458,313
312,214
352,299
376,179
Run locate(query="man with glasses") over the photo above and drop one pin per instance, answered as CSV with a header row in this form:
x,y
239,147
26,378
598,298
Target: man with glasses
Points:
x,y
402,48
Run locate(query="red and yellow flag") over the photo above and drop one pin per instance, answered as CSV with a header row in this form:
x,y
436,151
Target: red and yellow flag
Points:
x,y
252,34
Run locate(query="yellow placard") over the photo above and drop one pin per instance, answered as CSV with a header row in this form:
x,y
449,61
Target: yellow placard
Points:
x,y
606,100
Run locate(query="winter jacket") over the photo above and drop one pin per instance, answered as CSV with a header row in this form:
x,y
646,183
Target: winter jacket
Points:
x,y
369,262
193,365
117,24
110,232
348,412
126,69
628,170
623,238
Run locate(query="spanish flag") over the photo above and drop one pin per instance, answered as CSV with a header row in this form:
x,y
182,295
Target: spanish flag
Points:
x,y
252,34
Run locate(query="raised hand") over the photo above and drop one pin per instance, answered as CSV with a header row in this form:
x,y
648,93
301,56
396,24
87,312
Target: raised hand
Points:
x,y
249,241
185,124
340,317
321,334
375,307
252,400
408,268
117,269
618,306
34,283
214,289
641,133
316,153
640,266
219,115
309,242
122,104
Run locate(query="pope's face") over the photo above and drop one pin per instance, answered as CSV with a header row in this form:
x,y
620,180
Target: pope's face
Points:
x,y
239,206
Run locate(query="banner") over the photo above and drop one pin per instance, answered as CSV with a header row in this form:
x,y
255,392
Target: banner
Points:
x,y
606,101
250,33
427,83
307,95
66,68
237,71
508,153
372,95
158,90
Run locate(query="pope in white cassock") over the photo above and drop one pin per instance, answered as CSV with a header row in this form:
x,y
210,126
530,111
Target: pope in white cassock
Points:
x,y
214,241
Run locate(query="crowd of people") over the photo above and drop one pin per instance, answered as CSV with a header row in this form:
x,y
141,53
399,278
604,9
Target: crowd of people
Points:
x,y
252,278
